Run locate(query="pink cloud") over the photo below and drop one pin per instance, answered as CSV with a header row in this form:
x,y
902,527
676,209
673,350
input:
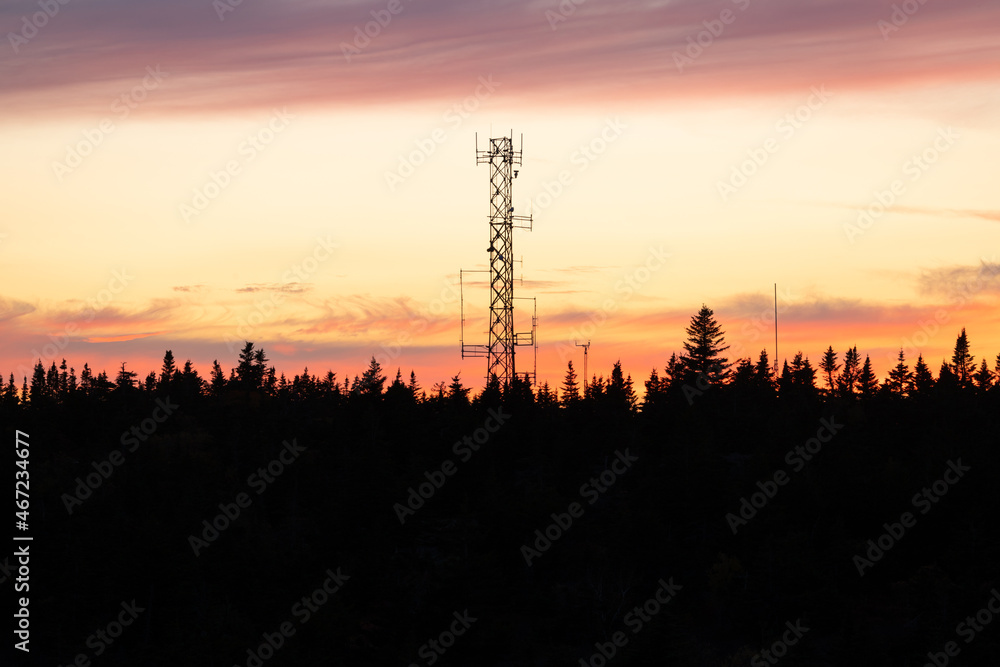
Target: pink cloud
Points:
x,y
292,53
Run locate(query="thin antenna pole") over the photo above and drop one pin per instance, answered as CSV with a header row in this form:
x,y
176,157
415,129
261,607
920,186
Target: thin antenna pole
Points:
x,y
775,330
586,349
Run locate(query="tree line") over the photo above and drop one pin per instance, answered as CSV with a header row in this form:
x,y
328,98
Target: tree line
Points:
x,y
700,367
483,471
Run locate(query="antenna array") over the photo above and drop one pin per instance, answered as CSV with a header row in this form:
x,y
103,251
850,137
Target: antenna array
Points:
x,y
499,350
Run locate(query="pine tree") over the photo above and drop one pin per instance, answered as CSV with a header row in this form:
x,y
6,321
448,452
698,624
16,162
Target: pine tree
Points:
x,y
396,395
52,381
63,380
437,391
10,392
595,391
983,378
39,392
125,380
458,394
519,392
259,368
848,378
86,379
102,385
803,374
413,386
271,381
829,366
744,376
250,367
962,364
620,390
372,380
947,380
673,372
703,349
764,372
923,381
867,382
492,393
305,385
785,380
900,380
167,371
190,381
570,388
218,378
655,391
546,398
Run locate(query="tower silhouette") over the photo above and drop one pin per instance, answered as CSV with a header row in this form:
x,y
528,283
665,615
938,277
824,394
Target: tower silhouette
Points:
x,y
503,160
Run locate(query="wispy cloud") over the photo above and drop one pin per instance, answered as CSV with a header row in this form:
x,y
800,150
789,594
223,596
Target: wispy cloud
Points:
x,y
121,338
11,308
928,211
962,280
291,53
290,288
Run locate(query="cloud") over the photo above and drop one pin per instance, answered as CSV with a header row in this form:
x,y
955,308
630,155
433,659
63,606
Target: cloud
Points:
x,y
949,212
293,52
379,319
585,268
290,288
961,281
12,308
936,212
120,338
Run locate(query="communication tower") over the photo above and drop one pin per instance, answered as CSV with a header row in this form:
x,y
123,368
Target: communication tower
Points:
x,y
504,162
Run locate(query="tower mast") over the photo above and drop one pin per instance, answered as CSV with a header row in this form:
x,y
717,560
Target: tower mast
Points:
x,y
503,159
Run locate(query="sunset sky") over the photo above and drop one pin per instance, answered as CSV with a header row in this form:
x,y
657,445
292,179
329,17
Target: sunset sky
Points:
x,y
188,175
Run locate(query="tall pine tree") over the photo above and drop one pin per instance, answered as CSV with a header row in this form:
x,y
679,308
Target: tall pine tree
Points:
x,y
703,349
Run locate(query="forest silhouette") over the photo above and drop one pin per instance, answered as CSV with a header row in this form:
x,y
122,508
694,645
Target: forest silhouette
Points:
x,y
428,498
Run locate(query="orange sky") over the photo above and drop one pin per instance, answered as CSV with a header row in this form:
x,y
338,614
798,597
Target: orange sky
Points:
x,y
176,179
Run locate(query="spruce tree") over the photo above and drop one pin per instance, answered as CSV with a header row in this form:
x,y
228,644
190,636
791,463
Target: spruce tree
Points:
x,y
867,382
829,366
983,378
900,380
167,370
764,372
372,380
923,381
962,364
848,378
703,349
39,391
570,387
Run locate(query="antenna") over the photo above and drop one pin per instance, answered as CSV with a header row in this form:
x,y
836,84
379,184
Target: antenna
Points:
x,y
775,331
586,381
499,350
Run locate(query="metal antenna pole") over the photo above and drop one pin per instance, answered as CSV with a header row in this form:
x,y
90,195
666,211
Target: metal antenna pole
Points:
x,y
775,330
586,381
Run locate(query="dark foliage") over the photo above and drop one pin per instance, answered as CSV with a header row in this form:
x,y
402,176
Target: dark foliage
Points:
x,y
701,445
